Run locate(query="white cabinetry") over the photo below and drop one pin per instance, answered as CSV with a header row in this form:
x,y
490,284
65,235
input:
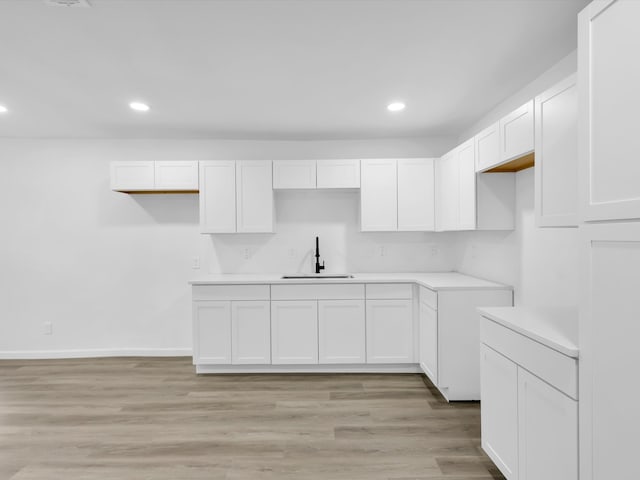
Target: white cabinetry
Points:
x,y
294,331
397,194
416,197
250,332
236,196
212,332
254,197
154,177
379,195
556,146
487,146
429,334
608,39
343,173
529,408
298,174
341,331
470,201
499,411
516,133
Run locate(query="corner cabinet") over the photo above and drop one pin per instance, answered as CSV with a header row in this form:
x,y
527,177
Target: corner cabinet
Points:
x,y
516,133
236,196
397,195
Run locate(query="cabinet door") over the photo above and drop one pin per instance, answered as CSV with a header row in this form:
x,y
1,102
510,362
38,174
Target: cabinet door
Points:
x,y
338,173
499,410
467,186
556,134
132,176
294,331
447,192
294,174
389,331
341,331
547,431
609,333
487,145
516,133
429,341
608,40
254,192
176,176
212,332
251,332
218,196
416,196
379,195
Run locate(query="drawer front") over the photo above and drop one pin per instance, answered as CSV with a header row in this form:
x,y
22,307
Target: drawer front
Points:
x,y
230,292
390,291
335,291
429,297
551,366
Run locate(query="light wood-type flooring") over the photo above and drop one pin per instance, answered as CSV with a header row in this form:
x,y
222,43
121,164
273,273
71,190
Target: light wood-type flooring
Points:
x,y
149,418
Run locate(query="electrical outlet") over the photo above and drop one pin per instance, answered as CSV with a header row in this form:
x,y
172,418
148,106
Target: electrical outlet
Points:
x,y
246,254
435,251
291,252
381,250
48,328
195,263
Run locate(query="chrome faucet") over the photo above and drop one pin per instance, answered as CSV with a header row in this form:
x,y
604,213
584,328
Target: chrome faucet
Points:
x,y
318,266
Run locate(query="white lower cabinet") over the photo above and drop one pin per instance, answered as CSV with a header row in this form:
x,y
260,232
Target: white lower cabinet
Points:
x,y
212,333
499,413
341,331
429,341
389,331
250,333
547,431
294,332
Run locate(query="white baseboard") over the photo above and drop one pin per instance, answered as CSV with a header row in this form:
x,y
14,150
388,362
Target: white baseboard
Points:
x,y
340,368
94,353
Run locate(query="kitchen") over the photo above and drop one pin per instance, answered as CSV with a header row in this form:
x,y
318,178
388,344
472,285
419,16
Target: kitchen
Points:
x,y
95,275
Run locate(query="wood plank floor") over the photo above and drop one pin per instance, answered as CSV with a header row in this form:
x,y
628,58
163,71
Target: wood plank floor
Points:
x,y
141,418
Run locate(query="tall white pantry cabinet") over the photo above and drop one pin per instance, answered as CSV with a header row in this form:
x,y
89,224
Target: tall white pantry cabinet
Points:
x,y
609,146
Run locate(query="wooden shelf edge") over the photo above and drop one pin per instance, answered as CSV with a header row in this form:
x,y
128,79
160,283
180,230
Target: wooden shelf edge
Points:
x,y
515,165
157,192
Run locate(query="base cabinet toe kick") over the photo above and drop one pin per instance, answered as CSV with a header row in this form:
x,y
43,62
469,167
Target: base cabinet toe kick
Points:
x,y
343,328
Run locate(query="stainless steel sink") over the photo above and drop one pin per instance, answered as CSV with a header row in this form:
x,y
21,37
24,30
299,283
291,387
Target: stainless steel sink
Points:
x,y
316,275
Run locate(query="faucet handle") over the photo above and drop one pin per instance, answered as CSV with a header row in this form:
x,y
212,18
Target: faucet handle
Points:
x,y
322,266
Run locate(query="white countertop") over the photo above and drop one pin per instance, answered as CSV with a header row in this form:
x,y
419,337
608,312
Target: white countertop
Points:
x,y
433,281
555,327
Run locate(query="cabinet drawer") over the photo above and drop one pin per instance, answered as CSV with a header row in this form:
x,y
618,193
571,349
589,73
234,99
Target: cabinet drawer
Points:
x,y
551,366
391,291
429,297
230,292
336,291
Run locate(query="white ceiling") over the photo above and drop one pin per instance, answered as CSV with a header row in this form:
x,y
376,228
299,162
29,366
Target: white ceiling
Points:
x,y
271,69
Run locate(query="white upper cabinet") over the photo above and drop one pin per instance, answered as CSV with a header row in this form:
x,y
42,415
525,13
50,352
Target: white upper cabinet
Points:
x,y
487,145
556,146
218,196
150,176
609,41
176,176
298,174
236,196
379,195
132,176
447,192
338,173
466,186
516,133
416,209
254,196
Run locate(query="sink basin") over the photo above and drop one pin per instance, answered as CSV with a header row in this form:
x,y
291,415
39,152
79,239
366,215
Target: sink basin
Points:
x,y
317,275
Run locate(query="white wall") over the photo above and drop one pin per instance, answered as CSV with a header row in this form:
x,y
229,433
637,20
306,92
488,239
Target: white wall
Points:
x,y
110,270
541,263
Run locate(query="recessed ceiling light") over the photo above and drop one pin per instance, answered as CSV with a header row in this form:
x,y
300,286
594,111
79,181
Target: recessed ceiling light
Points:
x,y
139,106
396,106
3,109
